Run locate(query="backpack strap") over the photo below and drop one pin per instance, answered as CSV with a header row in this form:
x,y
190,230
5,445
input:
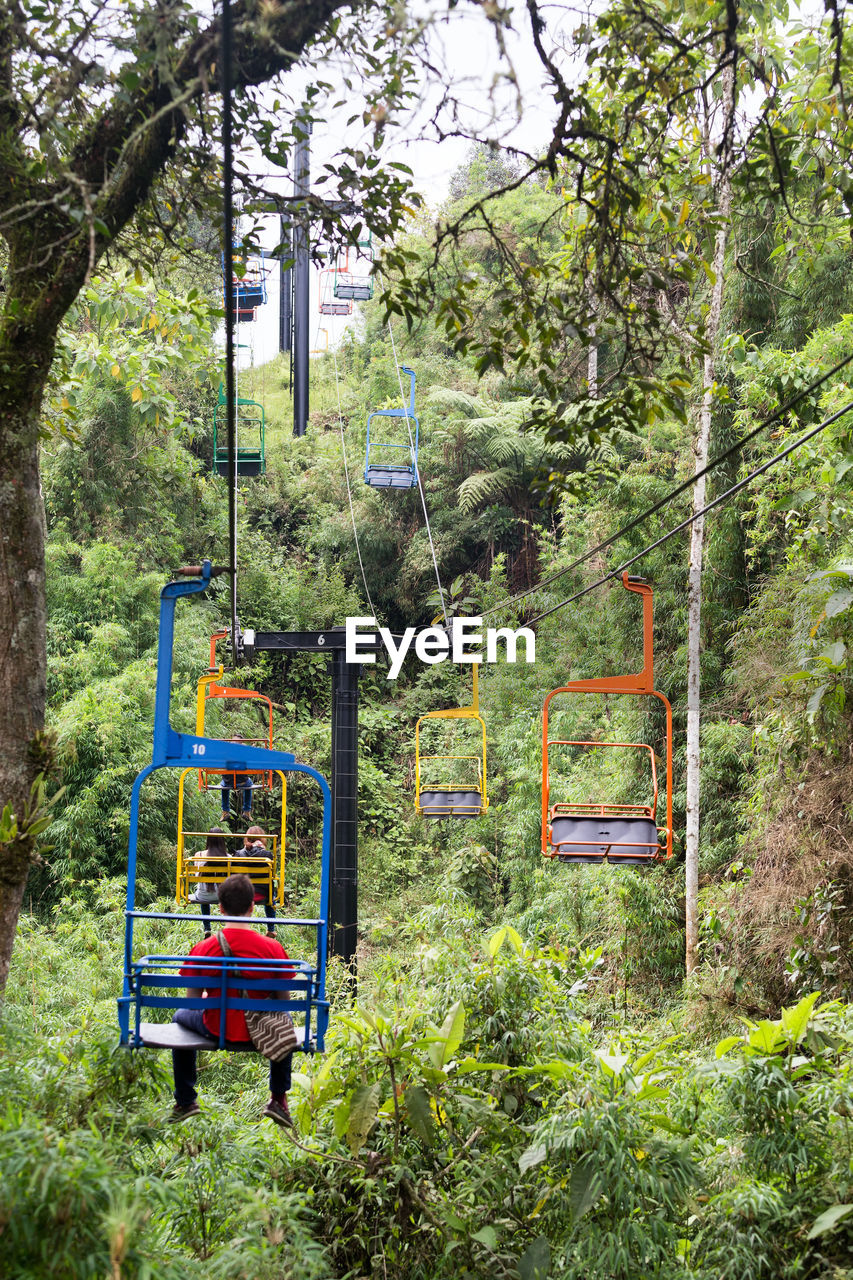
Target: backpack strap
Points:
x,y
226,951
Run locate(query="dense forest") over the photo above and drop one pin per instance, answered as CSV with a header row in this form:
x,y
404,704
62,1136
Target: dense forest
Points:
x,y
528,1072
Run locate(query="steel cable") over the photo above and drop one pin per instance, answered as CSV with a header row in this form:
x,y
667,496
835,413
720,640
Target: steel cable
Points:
x,y
685,524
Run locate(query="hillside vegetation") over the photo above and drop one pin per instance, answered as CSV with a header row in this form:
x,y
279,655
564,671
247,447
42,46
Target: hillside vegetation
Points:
x,y
523,1084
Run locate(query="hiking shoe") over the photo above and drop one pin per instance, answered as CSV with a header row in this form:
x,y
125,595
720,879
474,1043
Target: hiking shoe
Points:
x,y
183,1111
280,1113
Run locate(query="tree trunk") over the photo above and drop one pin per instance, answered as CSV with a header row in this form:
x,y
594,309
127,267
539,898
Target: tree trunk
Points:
x,y
22,660
697,547
592,353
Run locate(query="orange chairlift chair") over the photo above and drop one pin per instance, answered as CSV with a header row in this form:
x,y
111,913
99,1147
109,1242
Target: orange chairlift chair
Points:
x,y
209,689
328,304
595,831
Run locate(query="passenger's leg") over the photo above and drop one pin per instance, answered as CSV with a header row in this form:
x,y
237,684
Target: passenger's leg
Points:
x,y
184,1069
205,924
193,1020
277,1109
280,1077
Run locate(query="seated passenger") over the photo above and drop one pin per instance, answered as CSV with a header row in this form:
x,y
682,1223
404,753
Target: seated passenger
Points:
x,y
236,898
254,847
243,787
214,860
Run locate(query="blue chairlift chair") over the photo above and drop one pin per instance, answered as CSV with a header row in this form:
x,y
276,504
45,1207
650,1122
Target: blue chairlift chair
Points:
x,y
248,291
153,982
384,471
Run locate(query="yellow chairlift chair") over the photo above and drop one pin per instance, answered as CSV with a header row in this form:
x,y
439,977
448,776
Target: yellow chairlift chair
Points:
x,y
460,797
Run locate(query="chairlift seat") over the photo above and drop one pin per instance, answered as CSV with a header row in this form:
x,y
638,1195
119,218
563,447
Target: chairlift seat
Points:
x,y
251,465
242,982
170,1035
631,840
334,308
389,477
356,292
250,296
440,803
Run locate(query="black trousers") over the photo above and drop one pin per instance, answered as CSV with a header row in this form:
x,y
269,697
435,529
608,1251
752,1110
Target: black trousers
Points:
x,y
184,1061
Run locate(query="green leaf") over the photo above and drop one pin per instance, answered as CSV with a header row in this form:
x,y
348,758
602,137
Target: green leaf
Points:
x,y
487,1236
340,1118
364,1107
585,1188
766,1037
496,942
838,602
796,1020
531,1157
468,1065
515,940
535,1262
834,655
450,1036
613,1063
419,1111
725,1045
829,1219
813,704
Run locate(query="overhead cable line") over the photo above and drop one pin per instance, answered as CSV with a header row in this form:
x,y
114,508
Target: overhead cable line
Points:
x,y
776,416
724,497
349,490
230,389
414,457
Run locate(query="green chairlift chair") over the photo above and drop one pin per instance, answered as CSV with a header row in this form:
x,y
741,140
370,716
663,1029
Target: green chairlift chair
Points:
x,y
251,460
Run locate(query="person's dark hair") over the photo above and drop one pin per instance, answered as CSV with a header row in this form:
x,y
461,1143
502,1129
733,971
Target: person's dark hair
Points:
x,y
236,895
216,842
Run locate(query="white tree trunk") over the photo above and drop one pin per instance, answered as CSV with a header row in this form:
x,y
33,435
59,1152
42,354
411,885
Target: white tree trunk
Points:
x,y
592,356
697,547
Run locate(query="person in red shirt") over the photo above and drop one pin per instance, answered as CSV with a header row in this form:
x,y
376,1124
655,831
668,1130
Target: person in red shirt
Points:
x,y
236,898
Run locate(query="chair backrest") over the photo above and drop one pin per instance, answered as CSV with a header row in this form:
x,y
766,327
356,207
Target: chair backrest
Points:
x,y
270,986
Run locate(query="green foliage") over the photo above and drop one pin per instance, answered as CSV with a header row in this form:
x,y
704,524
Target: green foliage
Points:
x,y
523,1088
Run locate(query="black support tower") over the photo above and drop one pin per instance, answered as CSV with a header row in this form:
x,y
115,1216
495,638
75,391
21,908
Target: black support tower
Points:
x,y
343,924
301,276
285,285
344,807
